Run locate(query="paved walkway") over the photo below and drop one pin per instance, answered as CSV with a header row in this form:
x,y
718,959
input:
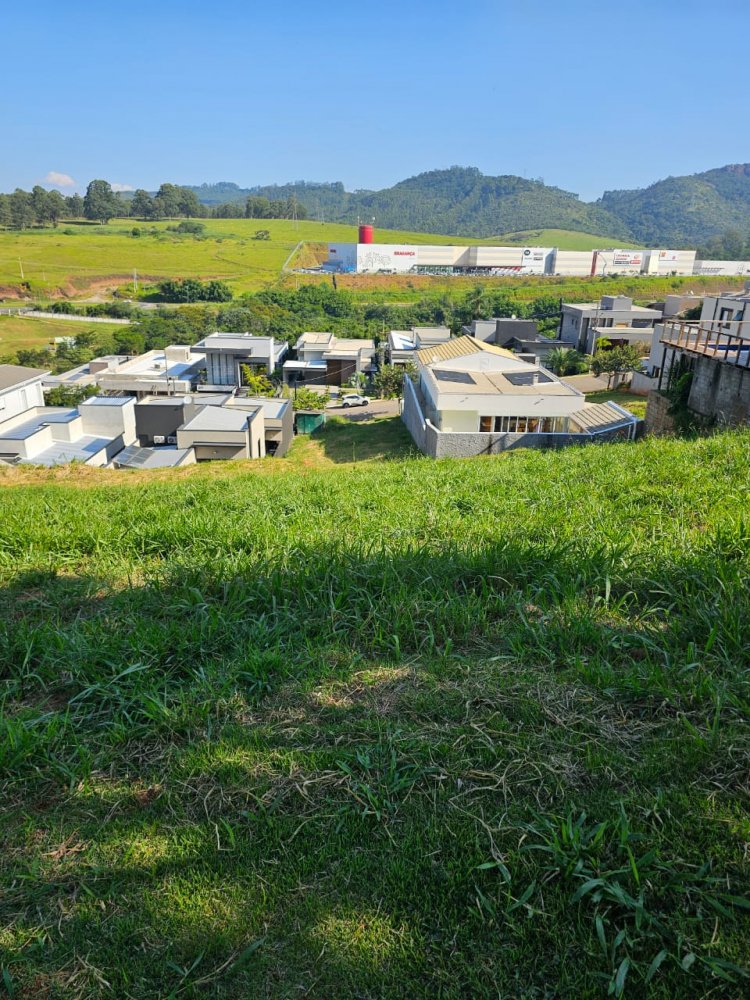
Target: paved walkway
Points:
x,y
587,383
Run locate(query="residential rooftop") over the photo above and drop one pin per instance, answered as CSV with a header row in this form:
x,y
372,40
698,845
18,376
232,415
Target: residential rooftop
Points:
x,y
219,418
166,457
534,382
13,375
460,347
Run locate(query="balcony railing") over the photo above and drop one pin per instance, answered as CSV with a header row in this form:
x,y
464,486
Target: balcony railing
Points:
x,y
727,341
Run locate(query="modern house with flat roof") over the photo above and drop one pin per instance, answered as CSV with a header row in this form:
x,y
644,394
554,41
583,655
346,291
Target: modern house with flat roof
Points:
x,y
158,417
613,317
86,375
92,433
278,420
403,343
472,398
20,389
325,359
521,336
227,353
169,372
222,432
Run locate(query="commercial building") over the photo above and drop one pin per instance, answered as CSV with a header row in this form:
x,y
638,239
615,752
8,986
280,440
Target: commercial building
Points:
x,y
392,258
226,354
473,398
325,359
614,318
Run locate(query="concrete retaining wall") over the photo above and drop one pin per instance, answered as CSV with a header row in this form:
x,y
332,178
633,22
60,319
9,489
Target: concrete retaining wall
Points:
x,y
720,391
658,419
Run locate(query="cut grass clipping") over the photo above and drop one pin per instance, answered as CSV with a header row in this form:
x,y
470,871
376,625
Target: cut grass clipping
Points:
x,y
409,728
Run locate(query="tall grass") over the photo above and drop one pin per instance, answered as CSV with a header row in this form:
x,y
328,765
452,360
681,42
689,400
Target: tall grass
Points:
x,y
410,728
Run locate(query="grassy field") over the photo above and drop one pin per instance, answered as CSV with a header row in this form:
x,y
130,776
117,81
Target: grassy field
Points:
x,y
80,258
18,334
397,728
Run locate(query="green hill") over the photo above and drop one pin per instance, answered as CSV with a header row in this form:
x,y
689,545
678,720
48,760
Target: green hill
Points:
x,y
687,209
678,211
461,201
385,729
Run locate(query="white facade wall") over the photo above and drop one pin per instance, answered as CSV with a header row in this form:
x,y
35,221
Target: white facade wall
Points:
x,y
373,257
675,261
102,420
722,267
572,262
442,256
343,255
19,399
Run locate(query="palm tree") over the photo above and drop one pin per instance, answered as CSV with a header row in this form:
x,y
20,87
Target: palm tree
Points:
x,y
563,361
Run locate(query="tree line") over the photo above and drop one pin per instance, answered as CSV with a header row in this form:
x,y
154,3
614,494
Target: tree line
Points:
x,y
39,207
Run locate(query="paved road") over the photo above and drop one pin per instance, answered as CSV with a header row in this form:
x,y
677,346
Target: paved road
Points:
x,y
377,408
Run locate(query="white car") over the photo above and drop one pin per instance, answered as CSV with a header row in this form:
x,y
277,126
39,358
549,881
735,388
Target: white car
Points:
x,y
354,399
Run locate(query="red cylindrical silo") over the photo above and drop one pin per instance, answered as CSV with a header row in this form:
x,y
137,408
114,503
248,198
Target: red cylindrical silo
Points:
x,y
365,234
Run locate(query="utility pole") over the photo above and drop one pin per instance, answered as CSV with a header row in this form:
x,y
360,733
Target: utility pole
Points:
x,y
21,266
135,281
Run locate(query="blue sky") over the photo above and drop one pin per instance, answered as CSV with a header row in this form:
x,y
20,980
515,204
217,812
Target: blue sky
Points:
x,y
587,95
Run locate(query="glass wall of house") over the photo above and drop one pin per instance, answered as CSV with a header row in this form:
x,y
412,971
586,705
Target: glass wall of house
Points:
x,y
523,425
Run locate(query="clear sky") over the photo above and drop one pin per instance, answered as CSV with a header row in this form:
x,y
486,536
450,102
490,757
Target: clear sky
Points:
x,y
587,95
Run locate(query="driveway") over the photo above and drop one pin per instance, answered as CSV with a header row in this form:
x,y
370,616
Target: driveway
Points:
x,y
376,408
587,383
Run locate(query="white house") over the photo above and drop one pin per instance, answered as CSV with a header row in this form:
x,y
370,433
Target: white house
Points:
x,y
20,389
92,433
473,398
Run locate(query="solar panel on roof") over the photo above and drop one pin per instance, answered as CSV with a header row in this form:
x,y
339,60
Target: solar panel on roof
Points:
x,y
463,378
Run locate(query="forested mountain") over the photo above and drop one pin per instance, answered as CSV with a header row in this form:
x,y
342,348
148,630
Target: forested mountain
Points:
x,y
698,210
460,200
688,209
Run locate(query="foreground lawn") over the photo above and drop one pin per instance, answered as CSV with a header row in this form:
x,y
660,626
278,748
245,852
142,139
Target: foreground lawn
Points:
x,y
399,729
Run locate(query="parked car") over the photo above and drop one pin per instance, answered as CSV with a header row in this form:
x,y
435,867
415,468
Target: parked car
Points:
x,y
354,399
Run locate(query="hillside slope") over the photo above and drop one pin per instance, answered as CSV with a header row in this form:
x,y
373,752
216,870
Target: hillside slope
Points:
x,y
686,209
460,200
676,211
406,728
